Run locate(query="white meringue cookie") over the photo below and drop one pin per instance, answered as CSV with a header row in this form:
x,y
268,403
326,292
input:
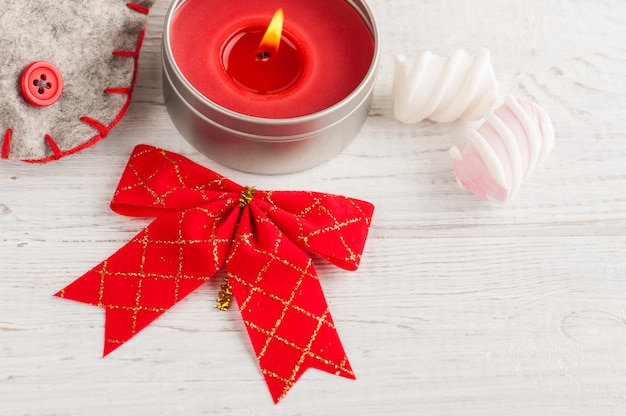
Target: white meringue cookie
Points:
x,y
444,89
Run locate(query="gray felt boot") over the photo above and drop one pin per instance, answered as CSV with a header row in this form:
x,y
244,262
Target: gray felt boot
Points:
x,y
67,72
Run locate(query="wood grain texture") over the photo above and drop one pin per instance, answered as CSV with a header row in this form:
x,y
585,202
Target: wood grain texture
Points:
x,y
460,307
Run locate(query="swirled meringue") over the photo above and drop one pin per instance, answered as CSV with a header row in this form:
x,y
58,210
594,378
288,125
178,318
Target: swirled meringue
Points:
x,y
504,150
444,89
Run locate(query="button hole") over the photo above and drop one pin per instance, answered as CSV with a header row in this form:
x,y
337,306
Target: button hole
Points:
x,y
43,77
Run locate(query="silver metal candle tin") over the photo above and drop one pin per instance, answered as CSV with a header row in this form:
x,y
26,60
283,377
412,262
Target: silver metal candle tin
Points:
x,y
263,145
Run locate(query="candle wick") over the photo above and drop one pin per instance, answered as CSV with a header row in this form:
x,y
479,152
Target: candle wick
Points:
x,y
264,56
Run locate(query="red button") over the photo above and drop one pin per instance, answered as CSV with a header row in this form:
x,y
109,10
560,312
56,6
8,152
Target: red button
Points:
x,y
42,83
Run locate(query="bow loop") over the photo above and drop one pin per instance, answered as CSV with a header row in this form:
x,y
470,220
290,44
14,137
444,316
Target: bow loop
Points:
x,y
332,227
156,181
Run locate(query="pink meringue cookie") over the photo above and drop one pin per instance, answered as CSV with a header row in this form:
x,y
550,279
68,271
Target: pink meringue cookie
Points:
x,y
504,150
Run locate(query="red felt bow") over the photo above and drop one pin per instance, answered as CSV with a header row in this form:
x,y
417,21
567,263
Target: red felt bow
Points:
x,y
204,220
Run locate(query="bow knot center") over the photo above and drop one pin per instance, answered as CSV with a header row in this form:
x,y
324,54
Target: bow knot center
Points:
x,y
246,196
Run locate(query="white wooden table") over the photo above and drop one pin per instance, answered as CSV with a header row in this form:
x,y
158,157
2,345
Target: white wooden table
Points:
x,y
460,307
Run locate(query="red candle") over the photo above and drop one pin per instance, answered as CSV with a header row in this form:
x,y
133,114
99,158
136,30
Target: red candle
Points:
x,y
252,60
325,50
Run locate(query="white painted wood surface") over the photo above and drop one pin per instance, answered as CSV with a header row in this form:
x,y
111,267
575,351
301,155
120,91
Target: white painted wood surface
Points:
x,y
460,307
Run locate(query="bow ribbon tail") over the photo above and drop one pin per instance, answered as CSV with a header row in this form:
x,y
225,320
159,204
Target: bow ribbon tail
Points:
x,y
282,305
165,262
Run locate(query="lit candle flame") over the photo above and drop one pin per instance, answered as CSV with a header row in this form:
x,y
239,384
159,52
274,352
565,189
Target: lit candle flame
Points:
x,y
271,40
